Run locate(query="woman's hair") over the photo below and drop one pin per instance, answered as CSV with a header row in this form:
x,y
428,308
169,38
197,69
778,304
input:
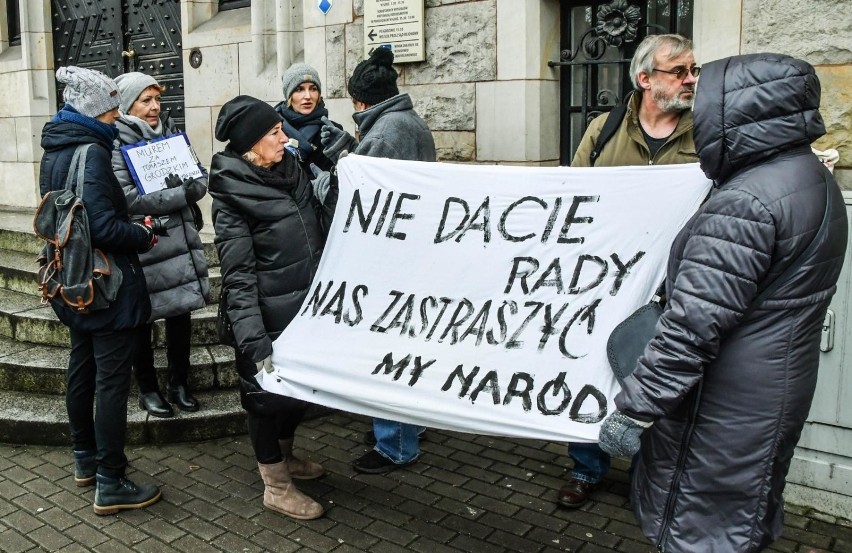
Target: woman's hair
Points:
x,y
250,157
643,59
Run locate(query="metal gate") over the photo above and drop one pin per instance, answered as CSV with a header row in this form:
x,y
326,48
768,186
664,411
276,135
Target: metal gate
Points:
x,y
116,36
597,41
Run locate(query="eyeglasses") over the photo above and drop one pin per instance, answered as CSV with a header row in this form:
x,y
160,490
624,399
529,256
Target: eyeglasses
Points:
x,y
680,71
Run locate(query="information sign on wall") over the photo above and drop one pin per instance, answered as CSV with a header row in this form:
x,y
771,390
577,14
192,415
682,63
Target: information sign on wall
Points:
x,y
395,24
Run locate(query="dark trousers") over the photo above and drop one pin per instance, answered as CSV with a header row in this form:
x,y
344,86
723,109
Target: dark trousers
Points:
x,y
178,334
98,381
266,430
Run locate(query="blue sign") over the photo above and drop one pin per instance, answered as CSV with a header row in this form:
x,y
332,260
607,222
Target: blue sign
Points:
x,y
324,6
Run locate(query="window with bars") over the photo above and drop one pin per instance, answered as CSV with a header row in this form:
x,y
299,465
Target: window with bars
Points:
x,y
598,39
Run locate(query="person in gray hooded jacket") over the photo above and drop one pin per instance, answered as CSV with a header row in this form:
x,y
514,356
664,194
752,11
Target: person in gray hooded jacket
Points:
x,y
176,270
389,128
720,396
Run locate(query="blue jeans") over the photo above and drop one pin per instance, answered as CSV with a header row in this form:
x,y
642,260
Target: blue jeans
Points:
x,y
591,463
397,441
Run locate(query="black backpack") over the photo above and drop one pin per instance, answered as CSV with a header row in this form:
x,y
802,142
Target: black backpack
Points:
x,y
72,273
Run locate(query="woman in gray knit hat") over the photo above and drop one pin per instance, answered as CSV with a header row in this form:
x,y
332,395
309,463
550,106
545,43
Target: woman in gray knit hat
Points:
x,y
176,270
102,341
303,110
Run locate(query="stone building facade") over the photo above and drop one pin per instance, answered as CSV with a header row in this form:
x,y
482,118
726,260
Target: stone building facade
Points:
x,y
486,90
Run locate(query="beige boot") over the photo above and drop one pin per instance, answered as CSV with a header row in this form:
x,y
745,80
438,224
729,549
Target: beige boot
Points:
x,y
299,469
281,495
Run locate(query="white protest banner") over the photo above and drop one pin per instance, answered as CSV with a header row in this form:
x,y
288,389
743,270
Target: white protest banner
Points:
x,y
151,162
480,298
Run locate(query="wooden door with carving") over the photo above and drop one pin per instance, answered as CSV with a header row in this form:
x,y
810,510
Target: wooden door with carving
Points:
x,y
117,36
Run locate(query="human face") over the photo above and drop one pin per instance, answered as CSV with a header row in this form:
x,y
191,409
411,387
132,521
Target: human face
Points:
x,y
670,93
270,149
358,105
305,98
109,117
147,106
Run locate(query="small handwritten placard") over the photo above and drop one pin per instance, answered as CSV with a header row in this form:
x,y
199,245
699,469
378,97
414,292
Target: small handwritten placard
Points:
x,y
151,162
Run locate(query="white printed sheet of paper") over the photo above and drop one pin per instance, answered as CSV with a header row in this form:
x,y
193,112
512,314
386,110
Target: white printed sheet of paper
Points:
x,y
151,162
480,298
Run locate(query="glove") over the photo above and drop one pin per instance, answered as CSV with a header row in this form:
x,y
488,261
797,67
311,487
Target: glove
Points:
x,y
323,181
152,238
173,181
335,140
620,434
194,190
266,364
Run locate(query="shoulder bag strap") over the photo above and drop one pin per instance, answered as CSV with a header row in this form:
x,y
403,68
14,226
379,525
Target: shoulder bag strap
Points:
x,y
77,170
613,121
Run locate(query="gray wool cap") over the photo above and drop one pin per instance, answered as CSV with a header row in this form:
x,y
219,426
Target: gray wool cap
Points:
x,y
131,86
90,92
297,74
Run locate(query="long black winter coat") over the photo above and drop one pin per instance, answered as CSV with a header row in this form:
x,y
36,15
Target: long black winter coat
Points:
x,y
109,224
269,239
729,390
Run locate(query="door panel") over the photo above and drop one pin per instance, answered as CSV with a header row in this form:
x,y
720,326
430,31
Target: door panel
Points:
x,y
116,36
153,33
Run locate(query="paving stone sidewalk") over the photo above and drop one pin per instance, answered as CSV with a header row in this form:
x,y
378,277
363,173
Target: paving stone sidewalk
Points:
x,y
468,493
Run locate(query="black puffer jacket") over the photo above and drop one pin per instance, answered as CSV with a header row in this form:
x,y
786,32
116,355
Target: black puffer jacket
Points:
x,y
176,270
269,240
730,389
109,224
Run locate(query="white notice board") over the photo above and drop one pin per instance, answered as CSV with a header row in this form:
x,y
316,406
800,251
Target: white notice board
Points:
x,y
150,162
395,24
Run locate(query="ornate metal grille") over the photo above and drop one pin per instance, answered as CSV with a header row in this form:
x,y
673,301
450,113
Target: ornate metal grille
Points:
x,y
598,40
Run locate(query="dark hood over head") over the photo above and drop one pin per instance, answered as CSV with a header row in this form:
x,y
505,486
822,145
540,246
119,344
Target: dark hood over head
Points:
x,y
751,107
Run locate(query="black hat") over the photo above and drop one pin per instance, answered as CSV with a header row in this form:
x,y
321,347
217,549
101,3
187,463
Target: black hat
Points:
x,y
374,79
243,121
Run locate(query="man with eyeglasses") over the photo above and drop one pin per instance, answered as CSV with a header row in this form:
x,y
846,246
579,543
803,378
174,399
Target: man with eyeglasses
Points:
x,y
656,129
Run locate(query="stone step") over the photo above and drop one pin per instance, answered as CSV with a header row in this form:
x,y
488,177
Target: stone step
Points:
x,y
24,319
19,273
17,234
40,419
16,230
40,369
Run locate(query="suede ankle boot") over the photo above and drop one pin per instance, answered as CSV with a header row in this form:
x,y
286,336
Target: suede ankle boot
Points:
x,y
299,468
115,494
85,467
280,494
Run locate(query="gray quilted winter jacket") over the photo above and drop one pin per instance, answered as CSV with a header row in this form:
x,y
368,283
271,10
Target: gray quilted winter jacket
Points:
x,y
392,129
175,269
729,390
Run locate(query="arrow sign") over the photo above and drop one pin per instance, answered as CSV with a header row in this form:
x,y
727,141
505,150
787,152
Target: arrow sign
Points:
x,y
395,24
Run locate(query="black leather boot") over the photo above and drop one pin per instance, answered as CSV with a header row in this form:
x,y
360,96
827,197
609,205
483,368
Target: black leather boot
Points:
x,y
115,494
180,396
156,405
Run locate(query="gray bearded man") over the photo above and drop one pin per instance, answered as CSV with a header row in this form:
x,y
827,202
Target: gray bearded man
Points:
x,y
656,129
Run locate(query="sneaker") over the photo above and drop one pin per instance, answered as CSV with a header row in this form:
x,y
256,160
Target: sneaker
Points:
x,y
370,437
85,467
115,494
376,463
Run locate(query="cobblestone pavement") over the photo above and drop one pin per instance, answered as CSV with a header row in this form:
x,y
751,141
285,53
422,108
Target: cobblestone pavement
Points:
x,y
467,493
